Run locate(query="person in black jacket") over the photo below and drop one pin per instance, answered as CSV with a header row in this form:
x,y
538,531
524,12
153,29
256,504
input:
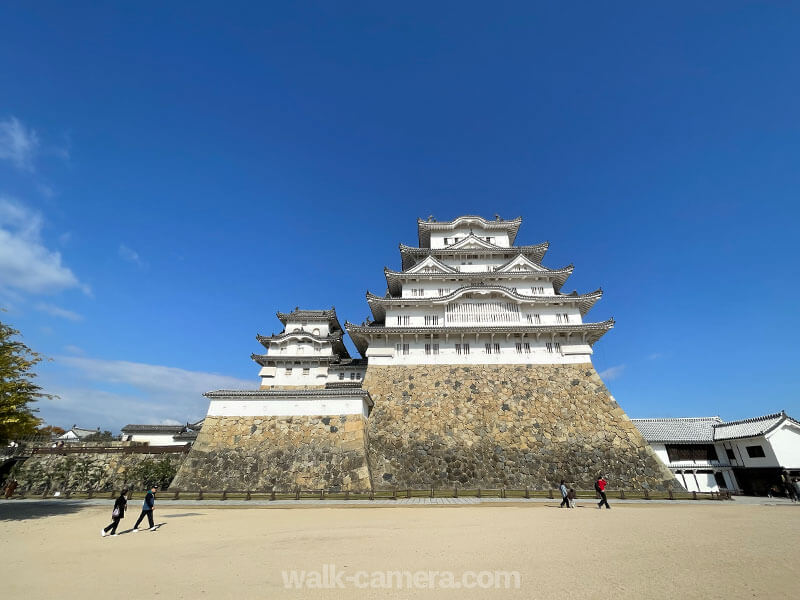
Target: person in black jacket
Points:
x,y
118,513
147,508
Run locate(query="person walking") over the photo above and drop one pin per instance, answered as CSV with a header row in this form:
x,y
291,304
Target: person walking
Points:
x,y
120,504
147,509
600,488
789,485
564,493
571,496
10,487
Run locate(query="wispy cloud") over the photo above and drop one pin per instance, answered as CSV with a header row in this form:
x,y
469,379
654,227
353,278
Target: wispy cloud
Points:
x,y
57,311
72,349
655,356
18,144
112,393
130,255
26,264
612,372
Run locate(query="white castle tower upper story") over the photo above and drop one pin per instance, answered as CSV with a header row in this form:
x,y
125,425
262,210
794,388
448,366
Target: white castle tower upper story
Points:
x,y
468,295
309,353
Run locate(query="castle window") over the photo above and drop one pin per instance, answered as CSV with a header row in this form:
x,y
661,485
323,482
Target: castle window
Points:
x,y
462,348
537,319
446,241
436,348
403,319
431,319
557,346
458,348
358,375
518,346
444,291
562,318
487,348
427,348
549,347
341,376
417,292
527,347
352,376
755,451
466,348
288,371
537,289
402,348
306,370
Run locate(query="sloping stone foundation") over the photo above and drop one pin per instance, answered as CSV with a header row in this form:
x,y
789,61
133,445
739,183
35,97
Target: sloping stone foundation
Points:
x,y
262,453
81,471
503,425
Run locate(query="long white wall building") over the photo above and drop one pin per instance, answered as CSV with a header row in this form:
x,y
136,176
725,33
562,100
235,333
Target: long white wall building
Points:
x,y
708,454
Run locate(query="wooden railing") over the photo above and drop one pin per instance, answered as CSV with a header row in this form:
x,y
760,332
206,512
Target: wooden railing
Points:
x,y
390,494
135,449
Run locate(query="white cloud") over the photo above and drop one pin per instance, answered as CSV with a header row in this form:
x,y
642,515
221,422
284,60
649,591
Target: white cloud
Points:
x,y
112,393
72,349
655,356
612,372
130,255
153,377
26,264
18,144
57,311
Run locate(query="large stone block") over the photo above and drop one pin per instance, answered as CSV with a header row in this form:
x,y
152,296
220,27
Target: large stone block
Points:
x,y
503,425
281,453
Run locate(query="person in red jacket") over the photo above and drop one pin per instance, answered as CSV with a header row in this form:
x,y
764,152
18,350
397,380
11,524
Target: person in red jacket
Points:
x,y
600,488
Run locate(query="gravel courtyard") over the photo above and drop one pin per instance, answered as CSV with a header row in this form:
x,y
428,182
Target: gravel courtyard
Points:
x,y
632,551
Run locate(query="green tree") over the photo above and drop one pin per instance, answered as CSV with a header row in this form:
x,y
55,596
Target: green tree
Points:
x,y
150,472
17,387
105,436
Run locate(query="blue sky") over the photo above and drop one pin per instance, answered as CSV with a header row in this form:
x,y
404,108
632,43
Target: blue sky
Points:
x,y
171,175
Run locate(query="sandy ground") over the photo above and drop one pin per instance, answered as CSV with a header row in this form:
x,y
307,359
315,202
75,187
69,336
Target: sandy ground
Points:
x,y
631,551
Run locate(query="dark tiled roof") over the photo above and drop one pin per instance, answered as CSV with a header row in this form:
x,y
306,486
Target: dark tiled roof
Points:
x,y
687,430
750,427
143,428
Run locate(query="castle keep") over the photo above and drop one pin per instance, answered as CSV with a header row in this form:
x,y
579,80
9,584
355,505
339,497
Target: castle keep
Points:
x,y
476,372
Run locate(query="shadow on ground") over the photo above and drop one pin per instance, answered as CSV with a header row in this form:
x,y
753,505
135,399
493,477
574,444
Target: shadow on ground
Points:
x,y
18,511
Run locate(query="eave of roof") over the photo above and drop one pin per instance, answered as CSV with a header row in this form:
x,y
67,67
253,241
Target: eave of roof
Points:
x,y
557,276
281,394
594,331
424,228
264,359
408,254
584,302
327,316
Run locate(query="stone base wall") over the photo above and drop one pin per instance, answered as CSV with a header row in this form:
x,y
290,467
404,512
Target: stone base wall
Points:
x,y
84,471
261,453
503,425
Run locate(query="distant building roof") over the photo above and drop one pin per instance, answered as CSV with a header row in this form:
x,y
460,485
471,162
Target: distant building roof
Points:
x,y
77,432
137,428
699,430
684,429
